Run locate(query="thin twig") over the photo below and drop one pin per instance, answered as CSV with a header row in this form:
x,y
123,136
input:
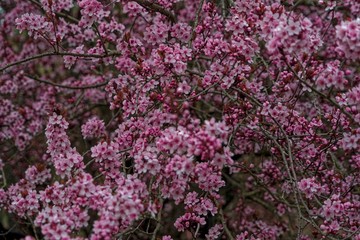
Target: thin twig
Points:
x,y
67,86
223,221
58,54
157,8
34,228
101,39
4,178
195,23
158,219
8,231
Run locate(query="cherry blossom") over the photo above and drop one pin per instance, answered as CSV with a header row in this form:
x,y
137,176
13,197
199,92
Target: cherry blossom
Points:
x,y
178,119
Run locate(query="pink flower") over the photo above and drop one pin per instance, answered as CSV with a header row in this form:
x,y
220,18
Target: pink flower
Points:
x,y
348,35
93,128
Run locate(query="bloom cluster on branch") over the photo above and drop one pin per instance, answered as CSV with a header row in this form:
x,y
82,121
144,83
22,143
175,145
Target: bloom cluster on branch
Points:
x,y
180,119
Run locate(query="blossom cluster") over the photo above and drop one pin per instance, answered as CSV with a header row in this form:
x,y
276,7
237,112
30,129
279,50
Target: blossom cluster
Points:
x,y
347,35
180,119
35,24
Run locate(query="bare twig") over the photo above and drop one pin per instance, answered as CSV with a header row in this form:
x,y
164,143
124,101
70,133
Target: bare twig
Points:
x,y
3,177
58,54
195,23
34,228
67,86
223,221
101,39
8,231
157,8
158,219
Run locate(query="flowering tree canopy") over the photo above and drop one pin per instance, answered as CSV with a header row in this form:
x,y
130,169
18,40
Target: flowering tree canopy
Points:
x,y
180,119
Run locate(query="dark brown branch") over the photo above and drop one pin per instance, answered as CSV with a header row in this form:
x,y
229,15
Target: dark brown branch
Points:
x,y
192,37
58,54
157,8
158,219
223,221
101,39
66,86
